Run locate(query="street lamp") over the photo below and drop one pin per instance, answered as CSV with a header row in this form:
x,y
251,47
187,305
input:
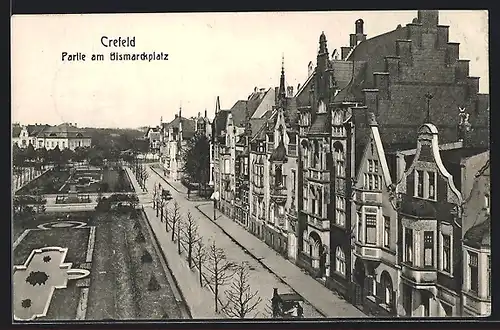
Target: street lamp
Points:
x,y
215,198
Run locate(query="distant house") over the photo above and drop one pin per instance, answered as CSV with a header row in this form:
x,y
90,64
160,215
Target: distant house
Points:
x,y
66,135
153,135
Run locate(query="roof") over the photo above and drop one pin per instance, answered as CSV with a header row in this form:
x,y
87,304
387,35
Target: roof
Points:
x,y
254,100
238,112
220,122
16,130
64,130
320,124
351,90
188,126
279,153
479,235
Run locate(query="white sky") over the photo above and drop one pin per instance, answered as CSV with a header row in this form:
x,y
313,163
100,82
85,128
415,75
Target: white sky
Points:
x,y
210,55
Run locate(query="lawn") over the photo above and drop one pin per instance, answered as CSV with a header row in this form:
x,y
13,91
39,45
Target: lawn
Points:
x,y
75,239
64,302
114,180
50,182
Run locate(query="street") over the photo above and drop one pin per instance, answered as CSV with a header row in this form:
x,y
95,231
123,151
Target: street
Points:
x,y
261,279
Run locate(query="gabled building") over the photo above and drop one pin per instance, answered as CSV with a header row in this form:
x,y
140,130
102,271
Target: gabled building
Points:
x,y
375,250
476,287
153,135
175,136
430,197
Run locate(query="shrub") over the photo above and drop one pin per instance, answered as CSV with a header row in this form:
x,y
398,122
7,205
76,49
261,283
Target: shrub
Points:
x,y
153,284
137,225
146,257
104,205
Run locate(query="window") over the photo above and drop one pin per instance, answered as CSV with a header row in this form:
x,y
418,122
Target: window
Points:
x,y
371,228
408,246
432,185
254,206
293,181
340,261
487,203
370,165
278,176
489,276
360,225
387,231
473,272
447,253
419,183
340,211
428,248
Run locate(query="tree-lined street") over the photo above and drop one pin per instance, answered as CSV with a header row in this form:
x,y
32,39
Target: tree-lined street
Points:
x,y
319,302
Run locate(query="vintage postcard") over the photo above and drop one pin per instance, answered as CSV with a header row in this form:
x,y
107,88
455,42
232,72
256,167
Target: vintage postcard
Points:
x,y
256,165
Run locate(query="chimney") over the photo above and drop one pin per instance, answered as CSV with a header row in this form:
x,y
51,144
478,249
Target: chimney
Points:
x,y
206,113
428,18
298,87
255,90
176,115
359,36
262,90
199,114
310,68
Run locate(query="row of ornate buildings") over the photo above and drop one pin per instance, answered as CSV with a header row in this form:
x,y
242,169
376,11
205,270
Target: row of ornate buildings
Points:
x,y
373,175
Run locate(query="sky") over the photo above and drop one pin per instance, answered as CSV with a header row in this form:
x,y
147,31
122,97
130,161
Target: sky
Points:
x,y
209,55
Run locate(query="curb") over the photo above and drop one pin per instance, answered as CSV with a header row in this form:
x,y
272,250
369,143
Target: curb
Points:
x,y
258,259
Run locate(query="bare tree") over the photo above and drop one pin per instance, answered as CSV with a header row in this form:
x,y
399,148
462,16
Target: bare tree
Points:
x,y
200,256
191,236
241,301
166,217
220,270
155,199
160,206
175,217
179,230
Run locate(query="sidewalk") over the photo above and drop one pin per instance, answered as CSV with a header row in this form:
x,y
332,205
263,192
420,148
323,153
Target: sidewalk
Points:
x,y
199,300
177,185
315,293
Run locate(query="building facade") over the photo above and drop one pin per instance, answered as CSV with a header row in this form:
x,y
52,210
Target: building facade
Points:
x,y
174,138
63,136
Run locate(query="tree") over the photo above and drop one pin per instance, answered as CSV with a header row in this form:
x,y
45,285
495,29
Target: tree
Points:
x,y
55,155
144,176
42,155
18,156
155,199
66,155
220,270
175,217
241,301
179,229
200,256
191,236
196,159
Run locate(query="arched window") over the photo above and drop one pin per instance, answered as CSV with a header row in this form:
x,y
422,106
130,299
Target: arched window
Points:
x,y
340,261
315,158
278,175
338,155
386,282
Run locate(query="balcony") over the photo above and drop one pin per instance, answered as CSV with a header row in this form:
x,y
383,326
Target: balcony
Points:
x,y
278,192
318,175
319,223
258,190
292,150
369,198
419,277
424,209
367,252
224,150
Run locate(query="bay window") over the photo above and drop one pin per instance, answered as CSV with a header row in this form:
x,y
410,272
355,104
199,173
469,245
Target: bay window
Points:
x,y
408,246
371,228
428,248
340,211
473,272
446,263
387,231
